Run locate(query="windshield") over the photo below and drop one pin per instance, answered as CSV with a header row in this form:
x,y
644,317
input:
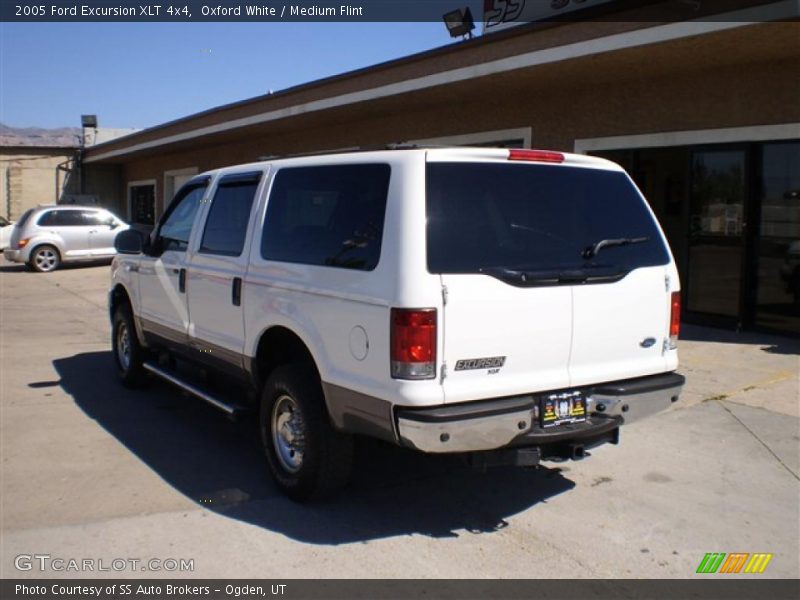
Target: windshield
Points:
x,y
488,217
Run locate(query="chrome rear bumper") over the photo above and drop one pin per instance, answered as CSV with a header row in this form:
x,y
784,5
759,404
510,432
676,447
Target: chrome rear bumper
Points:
x,y
464,435
493,424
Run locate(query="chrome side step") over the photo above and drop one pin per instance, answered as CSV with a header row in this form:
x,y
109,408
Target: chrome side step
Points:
x,y
229,409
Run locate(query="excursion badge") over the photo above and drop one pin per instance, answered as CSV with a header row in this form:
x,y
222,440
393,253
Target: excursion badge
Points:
x,y
473,364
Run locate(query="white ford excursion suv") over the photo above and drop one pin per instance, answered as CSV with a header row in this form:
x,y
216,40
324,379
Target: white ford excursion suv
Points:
x,y
509,305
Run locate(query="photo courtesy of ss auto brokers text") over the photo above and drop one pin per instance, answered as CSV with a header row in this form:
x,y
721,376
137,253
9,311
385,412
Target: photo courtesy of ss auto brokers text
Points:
x,y
147,590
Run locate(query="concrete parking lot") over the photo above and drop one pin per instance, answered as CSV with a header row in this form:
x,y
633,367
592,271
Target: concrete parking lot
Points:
x,y
92,470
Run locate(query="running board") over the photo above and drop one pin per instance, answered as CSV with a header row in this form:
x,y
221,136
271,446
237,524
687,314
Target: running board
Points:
x,y
230,409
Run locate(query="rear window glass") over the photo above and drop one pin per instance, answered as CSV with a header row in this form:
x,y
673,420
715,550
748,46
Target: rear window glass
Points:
x,y
331,216
24,218
536,218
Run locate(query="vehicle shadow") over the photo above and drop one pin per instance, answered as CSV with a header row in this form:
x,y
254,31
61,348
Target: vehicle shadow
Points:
x,y
771,343
7,267
218,464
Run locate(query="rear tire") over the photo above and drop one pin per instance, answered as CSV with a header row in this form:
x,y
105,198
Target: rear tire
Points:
x,y
308,458
128,352
45,259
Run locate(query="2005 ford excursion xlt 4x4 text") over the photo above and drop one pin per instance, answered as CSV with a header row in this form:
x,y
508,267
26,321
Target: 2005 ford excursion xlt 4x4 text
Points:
x,y
509,305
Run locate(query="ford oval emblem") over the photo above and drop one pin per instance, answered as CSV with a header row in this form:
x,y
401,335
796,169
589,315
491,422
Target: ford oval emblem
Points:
x,y
647,342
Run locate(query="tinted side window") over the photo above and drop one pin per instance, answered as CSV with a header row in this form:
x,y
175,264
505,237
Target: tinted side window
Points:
x,y
330,216
93,217
62,218
226,225
72,218
47,219
177,227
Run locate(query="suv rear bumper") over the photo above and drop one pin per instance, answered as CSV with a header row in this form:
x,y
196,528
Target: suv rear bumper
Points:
x,y
492,424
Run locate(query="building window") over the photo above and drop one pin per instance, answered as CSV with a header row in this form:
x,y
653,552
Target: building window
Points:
x,y
142,203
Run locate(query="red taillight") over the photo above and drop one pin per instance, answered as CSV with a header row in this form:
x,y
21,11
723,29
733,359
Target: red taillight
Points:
x,y
413,343
547,156
674,319
22,243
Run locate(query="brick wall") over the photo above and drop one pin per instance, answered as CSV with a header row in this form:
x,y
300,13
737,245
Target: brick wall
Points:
x,y
31,176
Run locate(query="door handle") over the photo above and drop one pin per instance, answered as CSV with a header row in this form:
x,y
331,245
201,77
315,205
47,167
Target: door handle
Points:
x,y
236,291
182,281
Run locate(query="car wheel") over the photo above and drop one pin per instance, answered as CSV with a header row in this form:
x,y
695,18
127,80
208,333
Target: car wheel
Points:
x,y
308,458
128,352
45,259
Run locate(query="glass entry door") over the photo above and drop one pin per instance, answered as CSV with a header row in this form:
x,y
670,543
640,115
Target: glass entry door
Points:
x,y
716,232
778,249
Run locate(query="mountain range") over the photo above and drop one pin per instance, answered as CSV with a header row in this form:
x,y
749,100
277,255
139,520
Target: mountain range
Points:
x,y
39,137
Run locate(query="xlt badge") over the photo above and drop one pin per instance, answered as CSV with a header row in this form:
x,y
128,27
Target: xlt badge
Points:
x,y
470,364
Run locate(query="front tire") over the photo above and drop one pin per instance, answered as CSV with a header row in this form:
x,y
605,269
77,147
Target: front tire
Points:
x,y
308,458
128,352
45,259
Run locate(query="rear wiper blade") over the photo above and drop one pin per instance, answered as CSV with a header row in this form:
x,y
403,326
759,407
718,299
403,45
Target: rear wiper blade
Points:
x,y
549,277
591,251
520,277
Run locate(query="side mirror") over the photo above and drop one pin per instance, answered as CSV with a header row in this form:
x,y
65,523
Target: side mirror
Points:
x,y
129,241
113,225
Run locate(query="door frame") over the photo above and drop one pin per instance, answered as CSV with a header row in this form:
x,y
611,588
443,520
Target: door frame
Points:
x,y
169,183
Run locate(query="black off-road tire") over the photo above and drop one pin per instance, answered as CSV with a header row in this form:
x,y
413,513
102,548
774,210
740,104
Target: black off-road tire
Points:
x,y
326,456
128,352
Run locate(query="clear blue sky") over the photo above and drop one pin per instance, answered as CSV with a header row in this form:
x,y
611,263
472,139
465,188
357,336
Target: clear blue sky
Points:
x,y
143,74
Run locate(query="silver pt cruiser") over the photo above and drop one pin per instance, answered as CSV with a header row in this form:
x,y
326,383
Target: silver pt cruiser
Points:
x,y
49,235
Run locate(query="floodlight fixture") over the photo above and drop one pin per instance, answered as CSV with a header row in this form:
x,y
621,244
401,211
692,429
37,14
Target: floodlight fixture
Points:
x,y
89,120
459,22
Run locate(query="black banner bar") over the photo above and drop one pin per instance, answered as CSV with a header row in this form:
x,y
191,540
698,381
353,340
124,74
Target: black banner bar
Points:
x,y
499,12
711,587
